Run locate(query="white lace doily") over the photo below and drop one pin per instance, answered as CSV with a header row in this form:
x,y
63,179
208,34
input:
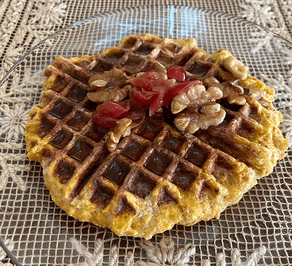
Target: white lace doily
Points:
x,y
256,231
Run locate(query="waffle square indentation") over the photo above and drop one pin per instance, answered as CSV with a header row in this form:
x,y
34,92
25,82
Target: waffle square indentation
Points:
x,y
100,67
60,85
124,206
64,171
197,156
130,42
140,185
144,50
76,94
183,60
45,127
198,70
62,139
101,194
114,56
117,172
222,167
96,132
79,121
246,129
164,58
253,114
132,62
90,106
80,151
157,163
183,177
149,131
205,186
134,150
172,143
227,120
173,48
61,109
165,196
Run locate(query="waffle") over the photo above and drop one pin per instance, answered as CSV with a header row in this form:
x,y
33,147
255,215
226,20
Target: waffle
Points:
x,y
158,176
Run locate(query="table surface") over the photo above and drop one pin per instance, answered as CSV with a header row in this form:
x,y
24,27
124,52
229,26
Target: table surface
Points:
x,y
23,23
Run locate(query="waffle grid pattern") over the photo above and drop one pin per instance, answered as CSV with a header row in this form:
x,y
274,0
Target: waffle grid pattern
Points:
x,y
68,133
38,226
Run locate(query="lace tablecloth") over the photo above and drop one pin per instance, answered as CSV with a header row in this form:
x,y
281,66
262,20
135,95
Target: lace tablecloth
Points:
x,y
24,23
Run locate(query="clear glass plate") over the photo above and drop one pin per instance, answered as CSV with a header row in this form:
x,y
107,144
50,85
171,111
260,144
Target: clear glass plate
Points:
x,y
39,233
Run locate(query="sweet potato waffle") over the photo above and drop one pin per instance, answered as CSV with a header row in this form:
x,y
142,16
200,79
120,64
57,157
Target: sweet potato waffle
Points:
x,y
157,176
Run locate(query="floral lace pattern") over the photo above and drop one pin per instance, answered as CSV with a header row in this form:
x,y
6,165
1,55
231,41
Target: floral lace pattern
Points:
x,y
163,253
10,245
44,15
40,18
13,119
266,13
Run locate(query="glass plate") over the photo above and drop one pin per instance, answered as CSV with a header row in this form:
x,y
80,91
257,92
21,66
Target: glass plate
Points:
x,y
257,229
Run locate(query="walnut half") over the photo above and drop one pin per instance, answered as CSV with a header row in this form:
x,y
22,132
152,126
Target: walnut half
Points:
x,y
197,108
109,86
122,129
233,93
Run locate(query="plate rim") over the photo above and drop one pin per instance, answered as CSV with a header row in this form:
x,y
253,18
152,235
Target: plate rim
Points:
x,y
111,12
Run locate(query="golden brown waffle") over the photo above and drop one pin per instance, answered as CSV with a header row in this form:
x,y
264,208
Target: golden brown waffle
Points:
x,y
134,54
157,176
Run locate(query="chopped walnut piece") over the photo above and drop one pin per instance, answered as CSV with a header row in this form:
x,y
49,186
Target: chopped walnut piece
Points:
x,y
231,91
159,68
109,86
236,67
197,109
140,74
197,95
99,83
122,129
